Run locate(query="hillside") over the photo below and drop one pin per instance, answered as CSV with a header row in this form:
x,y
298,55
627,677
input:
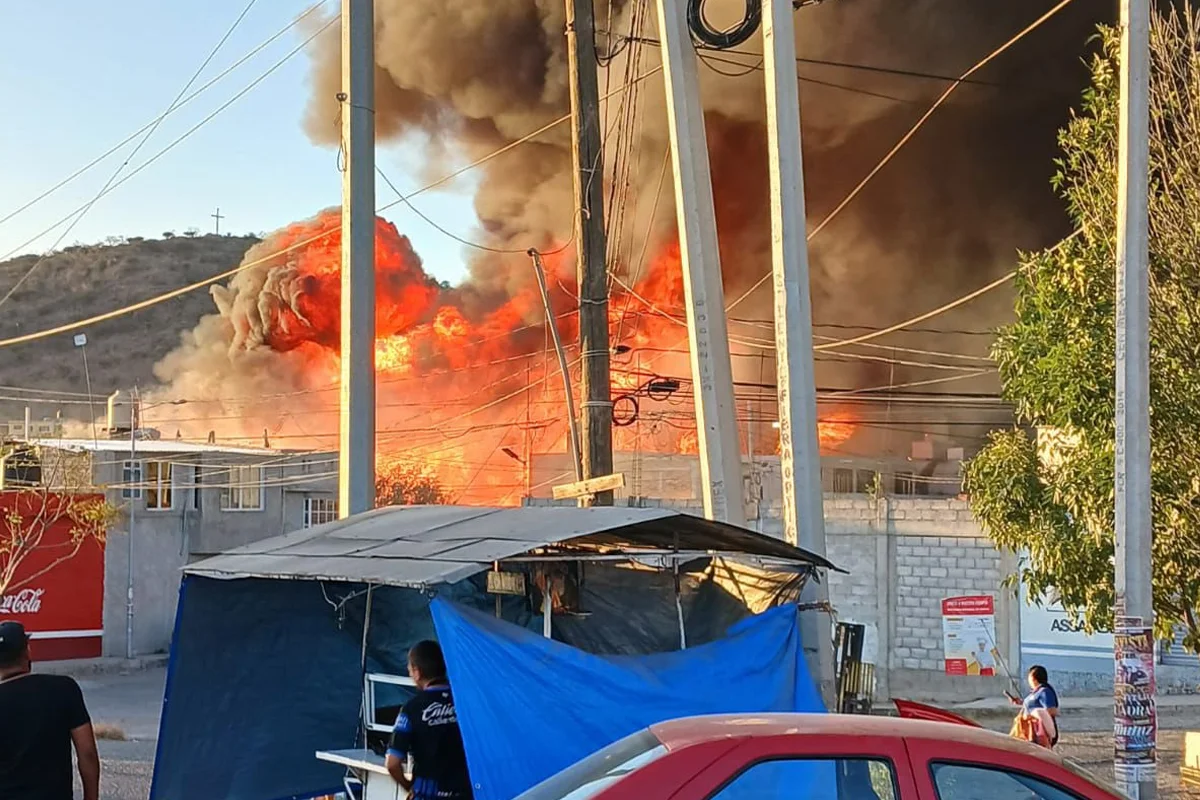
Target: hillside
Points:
x,y
85,280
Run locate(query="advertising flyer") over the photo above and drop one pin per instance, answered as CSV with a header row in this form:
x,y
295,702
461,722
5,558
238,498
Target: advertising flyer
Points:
x,y
969,635
1135,717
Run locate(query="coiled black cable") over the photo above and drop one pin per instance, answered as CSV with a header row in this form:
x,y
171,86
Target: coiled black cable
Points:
x,y
723,40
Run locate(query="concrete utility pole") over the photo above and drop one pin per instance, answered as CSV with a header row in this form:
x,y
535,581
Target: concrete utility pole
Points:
x,y
356,432
1135,716
218,217
135,497
799,447
712,373
586,157
563,368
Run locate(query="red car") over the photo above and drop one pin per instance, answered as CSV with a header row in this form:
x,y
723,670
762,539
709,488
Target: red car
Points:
x,y
819,757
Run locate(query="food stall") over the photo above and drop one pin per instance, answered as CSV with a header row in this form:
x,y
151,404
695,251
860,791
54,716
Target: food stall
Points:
x,y
319,619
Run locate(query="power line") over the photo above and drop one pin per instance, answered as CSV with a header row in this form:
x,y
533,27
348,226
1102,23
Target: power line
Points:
x,y
906,73
153,301
768,345
747,69
900,72
46,391
137,149
407,200
641,261
209,84
966,375
966,298
940,309
270,71
943,331
439,228
909,135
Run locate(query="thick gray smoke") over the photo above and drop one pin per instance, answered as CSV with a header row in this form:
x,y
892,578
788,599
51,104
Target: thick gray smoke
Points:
x,y
465,77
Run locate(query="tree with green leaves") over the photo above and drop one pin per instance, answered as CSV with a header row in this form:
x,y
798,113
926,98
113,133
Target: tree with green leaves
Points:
x,y
1046,489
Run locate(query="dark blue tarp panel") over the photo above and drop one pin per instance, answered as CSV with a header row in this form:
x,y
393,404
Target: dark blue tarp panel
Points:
x,y
530,707
287,683
264,673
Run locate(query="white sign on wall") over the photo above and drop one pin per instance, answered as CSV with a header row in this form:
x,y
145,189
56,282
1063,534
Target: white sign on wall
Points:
x,y
969,635
1050,638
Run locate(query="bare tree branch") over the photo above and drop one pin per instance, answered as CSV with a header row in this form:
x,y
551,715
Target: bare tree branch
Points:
x,y
30,516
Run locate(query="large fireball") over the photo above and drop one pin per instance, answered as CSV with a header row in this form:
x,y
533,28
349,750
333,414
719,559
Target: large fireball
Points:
x,y
465,380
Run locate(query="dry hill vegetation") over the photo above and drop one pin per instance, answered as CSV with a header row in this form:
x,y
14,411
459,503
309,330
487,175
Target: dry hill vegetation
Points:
x,y
84,280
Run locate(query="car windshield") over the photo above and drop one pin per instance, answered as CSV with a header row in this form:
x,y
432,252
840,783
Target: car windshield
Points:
x,y
599,770
1091,777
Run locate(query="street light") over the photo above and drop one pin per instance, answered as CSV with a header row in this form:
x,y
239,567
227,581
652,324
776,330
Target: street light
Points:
x,y
81,341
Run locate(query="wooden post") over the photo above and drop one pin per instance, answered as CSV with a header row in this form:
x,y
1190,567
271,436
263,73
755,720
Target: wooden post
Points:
x,y
586,157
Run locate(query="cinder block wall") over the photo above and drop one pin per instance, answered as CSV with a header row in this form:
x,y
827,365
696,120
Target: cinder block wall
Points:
x,y
929,568
902,557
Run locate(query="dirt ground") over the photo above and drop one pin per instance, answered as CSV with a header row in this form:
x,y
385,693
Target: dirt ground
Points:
x,y
1094,752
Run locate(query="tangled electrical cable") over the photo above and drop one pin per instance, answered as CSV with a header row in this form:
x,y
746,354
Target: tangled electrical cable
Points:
x,y
625,407
710,37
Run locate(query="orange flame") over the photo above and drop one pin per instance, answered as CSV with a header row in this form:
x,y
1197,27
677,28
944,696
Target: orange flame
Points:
x,y
835,431
465,381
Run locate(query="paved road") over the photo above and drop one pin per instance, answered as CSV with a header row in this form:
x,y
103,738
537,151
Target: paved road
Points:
x,y
1094,752
128,702
132,702
126,769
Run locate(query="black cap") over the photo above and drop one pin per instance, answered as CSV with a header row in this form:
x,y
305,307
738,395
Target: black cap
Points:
x,y
13,639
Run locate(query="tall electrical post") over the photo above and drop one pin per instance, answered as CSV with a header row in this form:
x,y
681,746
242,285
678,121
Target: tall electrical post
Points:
x,y
356,429
587,160
799,445
1135,715
712,371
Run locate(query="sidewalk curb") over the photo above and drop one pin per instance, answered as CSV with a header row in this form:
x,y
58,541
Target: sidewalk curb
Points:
x,y
98,667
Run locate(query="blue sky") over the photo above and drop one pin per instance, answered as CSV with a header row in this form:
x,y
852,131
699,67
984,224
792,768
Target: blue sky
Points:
x,y
77,76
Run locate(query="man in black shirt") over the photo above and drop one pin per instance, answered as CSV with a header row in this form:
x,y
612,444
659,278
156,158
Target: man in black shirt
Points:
x,y
41,716
427,730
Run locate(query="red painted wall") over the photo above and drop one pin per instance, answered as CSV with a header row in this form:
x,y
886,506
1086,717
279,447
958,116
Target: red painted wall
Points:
x,y
62,609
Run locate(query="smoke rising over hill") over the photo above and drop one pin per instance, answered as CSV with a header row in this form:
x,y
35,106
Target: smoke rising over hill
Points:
x,y
459,79
465,78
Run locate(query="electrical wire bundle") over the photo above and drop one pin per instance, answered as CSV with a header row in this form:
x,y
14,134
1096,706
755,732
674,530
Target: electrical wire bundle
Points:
x,y
710,37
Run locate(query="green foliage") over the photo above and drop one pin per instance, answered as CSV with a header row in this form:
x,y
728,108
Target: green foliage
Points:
x,y
30,515
1057,362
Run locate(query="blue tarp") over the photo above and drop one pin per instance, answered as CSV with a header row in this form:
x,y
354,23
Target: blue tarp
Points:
x,y
529,706
263,672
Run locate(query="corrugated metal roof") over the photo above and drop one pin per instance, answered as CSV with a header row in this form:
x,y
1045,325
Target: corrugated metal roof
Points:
x,y
422,546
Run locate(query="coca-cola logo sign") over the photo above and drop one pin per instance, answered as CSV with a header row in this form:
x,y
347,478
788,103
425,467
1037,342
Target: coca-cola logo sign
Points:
x,y
26,601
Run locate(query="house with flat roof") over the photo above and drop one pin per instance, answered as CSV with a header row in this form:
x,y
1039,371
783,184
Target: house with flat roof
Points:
x,y
179,501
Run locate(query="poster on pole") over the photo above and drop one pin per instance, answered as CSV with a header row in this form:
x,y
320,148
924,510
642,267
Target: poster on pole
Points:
x,y
1135,716
969,635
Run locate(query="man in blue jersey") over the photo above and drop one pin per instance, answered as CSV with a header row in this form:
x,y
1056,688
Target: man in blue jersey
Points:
x,y
427,730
